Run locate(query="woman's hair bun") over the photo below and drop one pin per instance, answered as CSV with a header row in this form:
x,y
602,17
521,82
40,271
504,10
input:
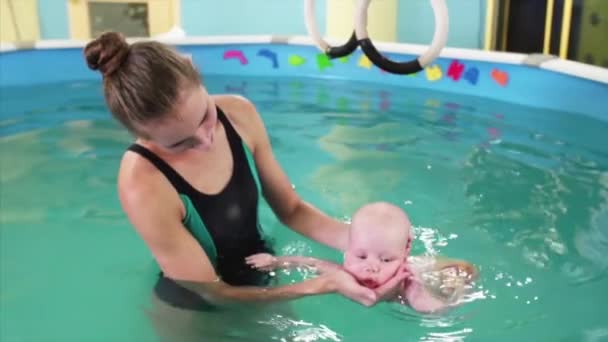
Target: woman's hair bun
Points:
x,y
107,52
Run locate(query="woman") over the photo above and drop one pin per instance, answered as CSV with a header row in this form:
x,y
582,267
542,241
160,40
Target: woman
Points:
x,y
188,183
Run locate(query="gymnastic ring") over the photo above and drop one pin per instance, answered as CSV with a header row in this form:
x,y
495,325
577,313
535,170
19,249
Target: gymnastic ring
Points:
x,y
313,31
439,40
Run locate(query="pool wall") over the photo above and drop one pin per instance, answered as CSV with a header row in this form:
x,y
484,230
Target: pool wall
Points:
x,y
533,80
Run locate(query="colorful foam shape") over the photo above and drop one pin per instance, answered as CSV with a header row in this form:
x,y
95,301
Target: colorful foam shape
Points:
x,y
472,75
296,60
272,56
434,73
236,54
501,77
364,62
323,61
455,70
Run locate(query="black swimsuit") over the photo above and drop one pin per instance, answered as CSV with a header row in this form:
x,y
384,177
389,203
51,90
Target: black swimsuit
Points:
x,y
225,224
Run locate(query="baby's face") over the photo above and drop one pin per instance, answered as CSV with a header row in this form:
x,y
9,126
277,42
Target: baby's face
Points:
x,y
376,250
372,260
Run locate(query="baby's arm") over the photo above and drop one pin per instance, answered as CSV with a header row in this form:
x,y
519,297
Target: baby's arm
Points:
x,y
444,282
462,268
267,262
421,300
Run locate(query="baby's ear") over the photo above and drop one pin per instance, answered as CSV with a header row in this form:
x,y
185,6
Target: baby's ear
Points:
x,y
408,245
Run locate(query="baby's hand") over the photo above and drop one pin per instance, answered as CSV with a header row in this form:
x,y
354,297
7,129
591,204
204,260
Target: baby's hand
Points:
x,y
391,289
262,261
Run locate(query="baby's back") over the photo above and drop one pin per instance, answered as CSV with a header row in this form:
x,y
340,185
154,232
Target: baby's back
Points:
x,y
438,282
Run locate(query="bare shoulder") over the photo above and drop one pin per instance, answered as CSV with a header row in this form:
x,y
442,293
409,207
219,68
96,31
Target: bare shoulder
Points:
x,y
243,115
421,263
421,300
425,263
145,193
234,102
461,268
135,176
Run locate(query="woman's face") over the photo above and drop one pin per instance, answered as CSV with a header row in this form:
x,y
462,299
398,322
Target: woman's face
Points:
x,y
191,124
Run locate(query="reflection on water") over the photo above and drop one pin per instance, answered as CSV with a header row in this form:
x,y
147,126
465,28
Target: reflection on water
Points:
x,y
300,331
521,193
546,212
592,243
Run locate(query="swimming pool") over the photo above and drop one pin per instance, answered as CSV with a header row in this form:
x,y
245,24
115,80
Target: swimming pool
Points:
x,y
505,166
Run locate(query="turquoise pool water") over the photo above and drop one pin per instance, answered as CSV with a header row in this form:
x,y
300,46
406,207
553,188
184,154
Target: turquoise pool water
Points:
x,y
520,192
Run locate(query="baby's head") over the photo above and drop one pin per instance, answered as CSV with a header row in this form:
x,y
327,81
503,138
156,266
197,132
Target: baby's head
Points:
x,y
379,242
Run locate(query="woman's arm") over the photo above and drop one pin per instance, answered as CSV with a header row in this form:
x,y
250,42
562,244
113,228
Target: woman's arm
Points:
x,y
300,215
268,262
221,294
155,211
294,212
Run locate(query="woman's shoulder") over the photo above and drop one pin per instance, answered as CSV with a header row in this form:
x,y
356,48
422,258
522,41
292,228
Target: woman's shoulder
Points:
x,y
135,170
139,183
233,101
237,108
243,115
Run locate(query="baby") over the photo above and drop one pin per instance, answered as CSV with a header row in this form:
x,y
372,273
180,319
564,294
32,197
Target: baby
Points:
x,y
379,244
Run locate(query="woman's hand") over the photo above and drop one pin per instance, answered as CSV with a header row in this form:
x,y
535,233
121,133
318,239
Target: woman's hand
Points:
x,y
262,261
344,283
392,288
